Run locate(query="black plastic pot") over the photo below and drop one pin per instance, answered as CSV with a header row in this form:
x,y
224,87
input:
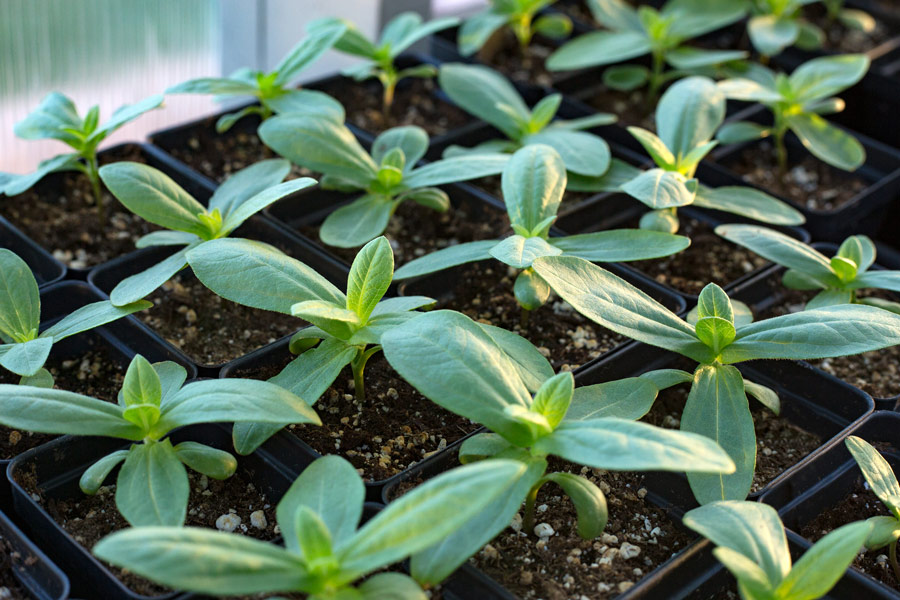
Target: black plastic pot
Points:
x,y
37,573
810,399
106,277
863,214
45,268
56,468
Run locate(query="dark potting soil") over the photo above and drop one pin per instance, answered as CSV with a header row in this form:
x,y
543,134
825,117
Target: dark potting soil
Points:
x,y
93,373
394,428
779,444
633,108
90,518
208,328
845,40
416,230
415,103
709,259
60,215
484,292
504,53
857,506
10,588
809,182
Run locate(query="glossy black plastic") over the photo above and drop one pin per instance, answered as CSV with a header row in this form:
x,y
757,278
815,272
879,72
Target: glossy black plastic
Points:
x,y
46,269
37,573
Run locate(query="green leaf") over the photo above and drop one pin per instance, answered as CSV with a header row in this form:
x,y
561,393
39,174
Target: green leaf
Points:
x,y
827,142
619,174
20,301
615,14
476,30
141,384
714,302
220,86
413,141
54,115
42,378
589,501
666,378
621,245
599,48
262,200
532,366
370,277
211,462
26,358
751,579
400,45
750,203
885,530
553,398
877,471
629,398
741,131
715,332
556,26
307,51
770,34
654,146
335,320
583,153
131,289
751,90
619,306
257,275
717,408
352,41
531,290
626,78
766,396
445,258
391,586
13,185
96,474
91,316
248,182
885,280
356,223
661,189
481,446
433,198
689,113
860,249
313,539
125,114
533,184
544,111
203,561
307,102
152,488
479,91
455,169
827,298
828,75
166,238
519,252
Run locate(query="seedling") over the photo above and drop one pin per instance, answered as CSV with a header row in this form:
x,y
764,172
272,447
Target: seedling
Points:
x,y
718,335
533,184
533,414
152,487
839,277
274,90
752,545
23,350
154,197
398,35
488,95
518,16
56,118
687,118
662,34
797,103
349,326
388,176
778,24
851,18
325,550
882,481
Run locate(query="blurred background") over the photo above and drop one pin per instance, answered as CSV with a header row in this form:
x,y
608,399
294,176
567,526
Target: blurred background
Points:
x,y
115,52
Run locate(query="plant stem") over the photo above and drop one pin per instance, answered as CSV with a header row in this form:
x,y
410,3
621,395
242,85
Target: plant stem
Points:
x,y
780,149
655,77
530,500
358,366
389,81
893,557
524,318
93,173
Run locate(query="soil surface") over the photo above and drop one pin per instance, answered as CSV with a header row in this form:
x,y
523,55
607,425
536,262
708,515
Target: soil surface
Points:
x,y
809,182
60,214
416,230
415,103
394,428
708,259
484,292
845,40
779,444
504,53
94,373
10,588
857,506
90,518
633,108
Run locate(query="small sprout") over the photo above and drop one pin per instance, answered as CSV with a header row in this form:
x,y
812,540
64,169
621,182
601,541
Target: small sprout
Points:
x,y
23,350
516,15
797,102
325,550
778,24
751,543
388,176
718,334
851,18
152,487
57,119
839,278
273,90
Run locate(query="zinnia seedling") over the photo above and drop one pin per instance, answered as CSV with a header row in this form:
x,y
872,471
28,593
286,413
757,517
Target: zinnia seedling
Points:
x,y
718,335
797,103
752,545
325,550
23,350
153,196
687,117
839,277
398,35
152,487
388,176
631,33
533,414
778,24
851,18
56,118
533,185
273,90
518,16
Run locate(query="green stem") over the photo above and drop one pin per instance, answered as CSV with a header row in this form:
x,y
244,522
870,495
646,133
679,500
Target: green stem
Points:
x,y
780,149
893,557
358,366
530,500
93,173
389,81
656,77
524,317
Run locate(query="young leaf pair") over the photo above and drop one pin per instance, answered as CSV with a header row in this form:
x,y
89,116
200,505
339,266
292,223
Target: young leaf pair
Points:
x,y
631,33
349,325
687,117
152,487
398,35
23,349
533,414
752,544
718,337
273,90
488,95
517,16
839,278
388,176
57,118
778,24
533,185
325,550
797,103
153,196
